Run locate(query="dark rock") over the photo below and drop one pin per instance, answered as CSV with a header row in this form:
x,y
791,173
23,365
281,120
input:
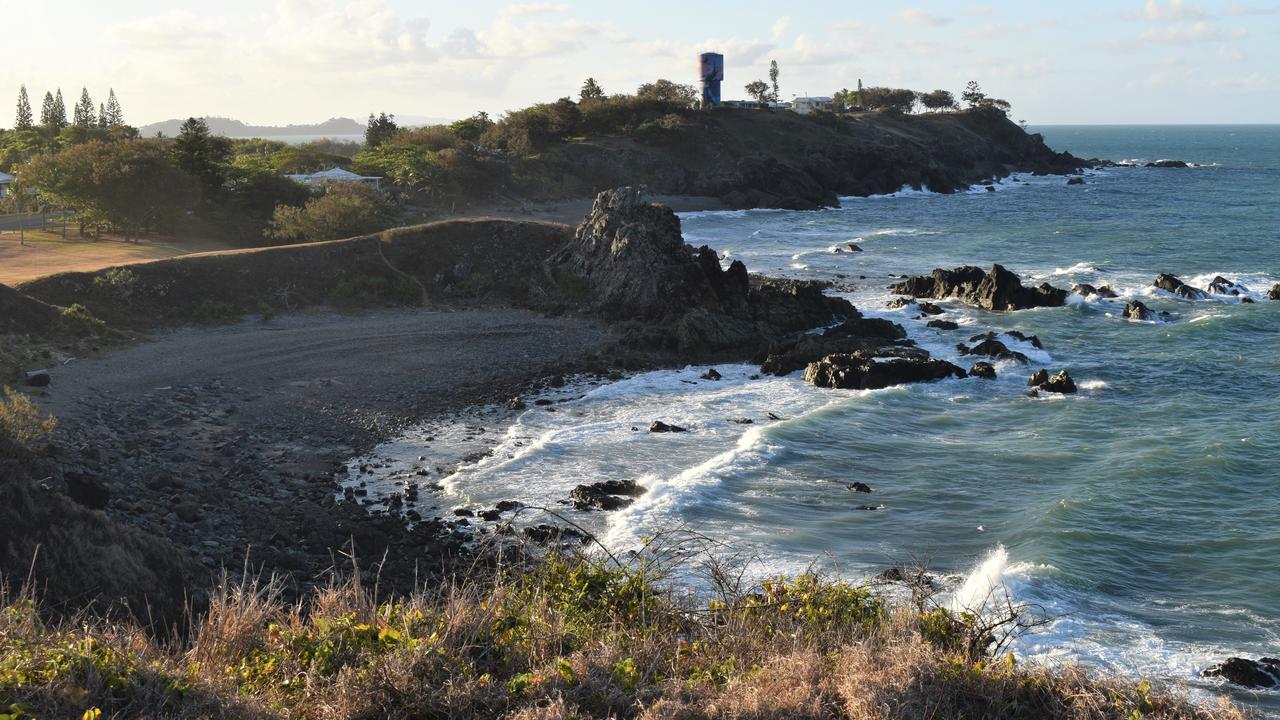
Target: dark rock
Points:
x,y
929,308
605,495
38,378
983,370
542,401
1137,310
1060,383
900,302
892,575
1033,339
998,289
1086,290
515,403
1260,673
1172,284
859,371
711,374
657,426
507,505
1168,164
1274,292
943,324
859,487
854,248
856,334
1075,181
1246,300
87,490
991,188
1223,286
491,515
463,512
544,534
990,347
743,421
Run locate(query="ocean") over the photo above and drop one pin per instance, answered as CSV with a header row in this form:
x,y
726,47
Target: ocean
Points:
x,y
1141,514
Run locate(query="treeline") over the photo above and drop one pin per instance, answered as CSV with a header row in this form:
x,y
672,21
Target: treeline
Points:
x,y
902,100
53,129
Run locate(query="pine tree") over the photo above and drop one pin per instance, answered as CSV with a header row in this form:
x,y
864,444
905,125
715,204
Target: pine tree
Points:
x,y
59,111
102,116
46,110
22,120
114,116
773,78
84,110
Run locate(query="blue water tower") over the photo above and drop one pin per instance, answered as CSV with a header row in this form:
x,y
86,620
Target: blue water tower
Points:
x,y
711,70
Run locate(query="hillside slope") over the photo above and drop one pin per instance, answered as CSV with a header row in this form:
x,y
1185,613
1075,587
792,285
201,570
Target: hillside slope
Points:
x,y
755,158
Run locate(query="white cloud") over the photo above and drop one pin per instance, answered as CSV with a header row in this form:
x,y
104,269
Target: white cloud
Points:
x,y
1242,10
1187,34
1173,10
780,28
916,16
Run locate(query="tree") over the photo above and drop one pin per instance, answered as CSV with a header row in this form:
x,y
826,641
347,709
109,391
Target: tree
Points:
x,y
22,118
759,90
973,95
470,129
887,99
83,117
591,90
380,129
202,155
938,100
59,116
345,210
102,117
46,110
668,92
130,185
114,117
773,79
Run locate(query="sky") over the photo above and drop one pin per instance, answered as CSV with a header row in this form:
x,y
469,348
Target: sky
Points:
x,y
303,61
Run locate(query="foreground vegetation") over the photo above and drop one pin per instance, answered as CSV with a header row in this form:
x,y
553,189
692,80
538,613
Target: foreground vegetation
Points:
x,y
568,636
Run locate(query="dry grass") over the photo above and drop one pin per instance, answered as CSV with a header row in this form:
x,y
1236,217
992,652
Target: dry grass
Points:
x,y
21,420
47,253
564,637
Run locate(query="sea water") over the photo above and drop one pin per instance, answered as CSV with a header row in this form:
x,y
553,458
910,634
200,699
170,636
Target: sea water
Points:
x,y
1142,514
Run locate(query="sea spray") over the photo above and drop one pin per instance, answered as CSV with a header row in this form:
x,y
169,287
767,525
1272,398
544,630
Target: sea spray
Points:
x,y
984,589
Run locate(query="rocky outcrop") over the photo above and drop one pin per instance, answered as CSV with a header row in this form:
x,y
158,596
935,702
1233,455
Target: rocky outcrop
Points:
x,y
1060,383
634,268
861,371
1274,292
943,325
1086,290
853,335
983,370
1170,283
1168,164
1223,286
997,289
1257,674
1137,310
607,495
657,426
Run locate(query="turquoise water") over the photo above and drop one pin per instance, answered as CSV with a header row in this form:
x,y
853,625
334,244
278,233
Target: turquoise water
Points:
x,y
1140,513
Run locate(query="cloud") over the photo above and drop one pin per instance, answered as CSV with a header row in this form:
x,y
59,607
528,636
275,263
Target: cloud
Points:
x,y
978,11
1242,10
918,17
996,30
780,28
1188,34
1173,10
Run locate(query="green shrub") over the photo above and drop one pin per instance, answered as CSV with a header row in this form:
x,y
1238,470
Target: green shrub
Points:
x,y
79,320
22,420
119,283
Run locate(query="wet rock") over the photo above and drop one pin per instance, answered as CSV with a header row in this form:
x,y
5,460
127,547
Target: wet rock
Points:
x,y
37,378
900,302
992,348
1223,286
491,515
983,370
929,308
1033,339
854,248
859,371
997,289
1137,310
545,534
1260,673
1170,283
711,374
1075,181
1060,383
859,487
657,426
607,495
856,334
1274,292
943,324
507,505
1086,290
1168,164
515,403
463,512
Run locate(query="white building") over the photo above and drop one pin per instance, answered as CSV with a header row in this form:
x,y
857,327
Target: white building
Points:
x,y
336,175
806,105
6,180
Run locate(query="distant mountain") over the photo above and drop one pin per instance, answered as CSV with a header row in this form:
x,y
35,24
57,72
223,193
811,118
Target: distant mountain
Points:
x,y
237,129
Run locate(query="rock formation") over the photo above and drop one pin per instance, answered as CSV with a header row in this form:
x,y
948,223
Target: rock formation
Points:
x,y
1260,673
863,371
1137,310
1172,284
1059,383
998,289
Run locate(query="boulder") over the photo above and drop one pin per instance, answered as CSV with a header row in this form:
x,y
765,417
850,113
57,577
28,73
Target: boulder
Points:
x,y
607,495
997,289
1137,310
856,334
1274,292
711,374
929,308
1059,383
984,370
1260,673
859,371
854,248
38,378
545,534
943,324
1086,290
1033,339
901,302
1075,181
1223,286
657,426
1168,164
992,348
1170,283
859,487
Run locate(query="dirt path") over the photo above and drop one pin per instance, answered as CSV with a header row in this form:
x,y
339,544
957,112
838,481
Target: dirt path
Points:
x,y
226,440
